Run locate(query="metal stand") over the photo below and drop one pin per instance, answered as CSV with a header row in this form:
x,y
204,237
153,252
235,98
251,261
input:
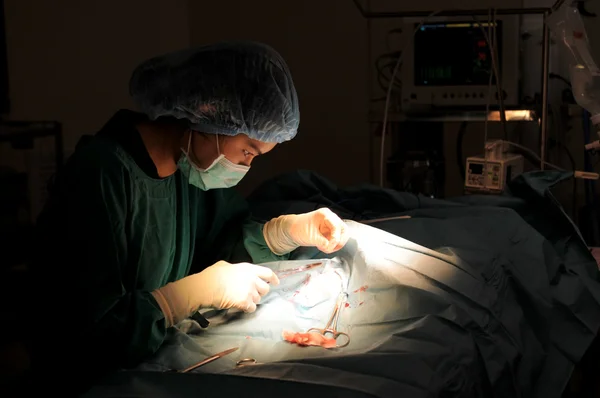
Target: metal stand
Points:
x,y
545,75
484,12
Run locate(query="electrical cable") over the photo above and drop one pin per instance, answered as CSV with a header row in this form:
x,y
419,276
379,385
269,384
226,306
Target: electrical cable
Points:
x,y
495,63
487,103
556,142
532,153
590,186
389,95
573,167
586,157
459,149
382,79
559,77
491,38
557,5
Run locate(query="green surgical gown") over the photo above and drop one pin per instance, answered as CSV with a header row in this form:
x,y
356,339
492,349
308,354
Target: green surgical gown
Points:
x,y
112,232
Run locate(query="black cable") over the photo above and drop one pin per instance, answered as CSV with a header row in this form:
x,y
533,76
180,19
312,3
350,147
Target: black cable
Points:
x,y
390,60
566,93
557,5
551,143
391,57
492,39
497,72
384,81
573,167
559,77
459,149
527,156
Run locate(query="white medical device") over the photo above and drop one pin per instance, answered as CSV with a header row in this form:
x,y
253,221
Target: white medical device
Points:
x,y
448,63
491,172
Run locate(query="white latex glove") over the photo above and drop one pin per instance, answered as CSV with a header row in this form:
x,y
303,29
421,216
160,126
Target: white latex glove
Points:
x,y
321,228
222,286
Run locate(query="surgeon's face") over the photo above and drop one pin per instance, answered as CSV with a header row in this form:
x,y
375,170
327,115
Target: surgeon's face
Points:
x,y
239,149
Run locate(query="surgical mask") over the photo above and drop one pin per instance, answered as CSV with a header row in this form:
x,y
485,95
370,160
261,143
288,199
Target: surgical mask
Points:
x,y
222,173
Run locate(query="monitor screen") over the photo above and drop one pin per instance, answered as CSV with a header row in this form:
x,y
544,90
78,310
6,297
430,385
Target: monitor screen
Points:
x,y
454,54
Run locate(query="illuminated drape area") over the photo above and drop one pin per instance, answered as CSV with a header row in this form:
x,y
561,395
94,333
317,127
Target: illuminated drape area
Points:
x,y
420,319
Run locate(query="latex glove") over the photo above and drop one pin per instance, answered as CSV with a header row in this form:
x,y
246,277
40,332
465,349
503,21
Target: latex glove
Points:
x,y
222,286
321,228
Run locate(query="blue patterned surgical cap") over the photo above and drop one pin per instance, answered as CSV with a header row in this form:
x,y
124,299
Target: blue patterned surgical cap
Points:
x,y
225,88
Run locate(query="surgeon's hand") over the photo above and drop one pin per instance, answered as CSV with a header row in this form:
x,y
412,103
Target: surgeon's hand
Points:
x,y
222,286
238,286
321,228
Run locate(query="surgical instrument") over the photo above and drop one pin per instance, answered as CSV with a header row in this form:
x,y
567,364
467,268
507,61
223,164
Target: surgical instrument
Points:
x,y
372,221
209,359
246,362
288,272
332,324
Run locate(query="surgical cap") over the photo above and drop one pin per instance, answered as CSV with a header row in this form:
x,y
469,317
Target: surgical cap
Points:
x,y
225,88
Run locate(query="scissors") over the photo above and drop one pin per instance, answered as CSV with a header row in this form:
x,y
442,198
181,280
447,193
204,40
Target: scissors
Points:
x,y
246,362
209,359
331,327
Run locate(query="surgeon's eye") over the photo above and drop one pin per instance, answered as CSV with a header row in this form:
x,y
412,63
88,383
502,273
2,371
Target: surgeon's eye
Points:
x,y
247,153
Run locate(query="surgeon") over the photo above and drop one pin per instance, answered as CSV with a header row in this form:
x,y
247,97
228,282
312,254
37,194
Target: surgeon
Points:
x,y
142,221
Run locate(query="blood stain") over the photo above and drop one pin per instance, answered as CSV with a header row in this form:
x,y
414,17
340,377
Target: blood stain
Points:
x,y
347,305
361,289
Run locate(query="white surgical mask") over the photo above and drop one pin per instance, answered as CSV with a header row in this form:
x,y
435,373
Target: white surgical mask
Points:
x,y
222,173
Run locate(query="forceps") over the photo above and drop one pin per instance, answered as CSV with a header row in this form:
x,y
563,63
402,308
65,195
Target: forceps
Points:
x,y
209,359
288,272
246,362
331,327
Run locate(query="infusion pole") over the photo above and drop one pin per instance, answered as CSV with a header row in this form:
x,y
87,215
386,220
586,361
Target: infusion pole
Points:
x,y
545,79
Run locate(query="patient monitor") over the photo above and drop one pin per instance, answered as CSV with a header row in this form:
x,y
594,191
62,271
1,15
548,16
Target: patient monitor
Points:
x,y
448,63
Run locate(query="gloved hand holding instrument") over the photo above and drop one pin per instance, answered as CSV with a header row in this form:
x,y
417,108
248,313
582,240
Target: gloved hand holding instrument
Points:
x,y
222,286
